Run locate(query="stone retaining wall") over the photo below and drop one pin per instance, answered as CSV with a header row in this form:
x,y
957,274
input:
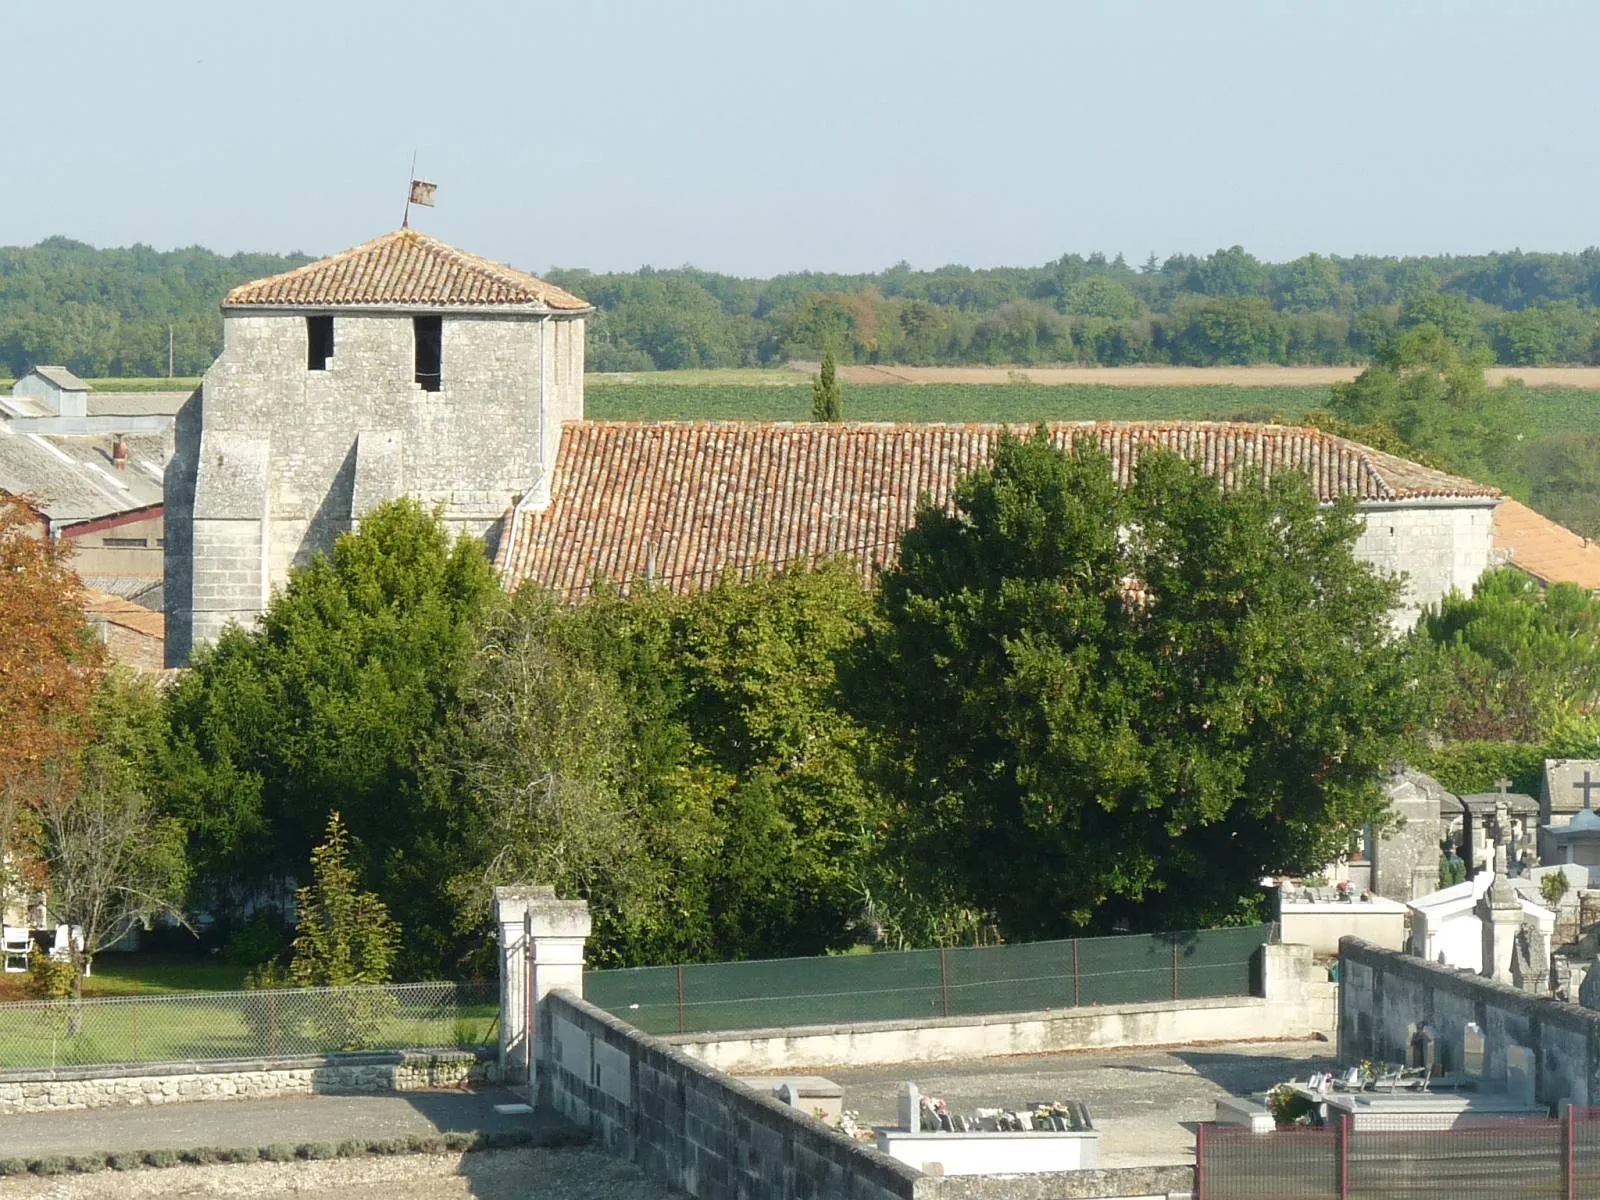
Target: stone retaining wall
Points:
x,y
31,1091
1387,998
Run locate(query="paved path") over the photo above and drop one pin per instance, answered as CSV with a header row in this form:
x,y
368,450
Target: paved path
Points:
x,y
233,1123
1145,1103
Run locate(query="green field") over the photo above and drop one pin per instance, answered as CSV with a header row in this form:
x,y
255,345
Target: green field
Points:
x,y
950,402
782,395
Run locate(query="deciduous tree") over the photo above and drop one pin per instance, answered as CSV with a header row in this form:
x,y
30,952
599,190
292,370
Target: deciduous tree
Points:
x,y
1109,705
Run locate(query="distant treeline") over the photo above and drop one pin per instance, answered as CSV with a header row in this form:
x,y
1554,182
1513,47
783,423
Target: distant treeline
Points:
x,y
107,312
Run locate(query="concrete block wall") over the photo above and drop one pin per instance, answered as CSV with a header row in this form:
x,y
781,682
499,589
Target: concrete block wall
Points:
x,y
1438,545
693,1127
1385,997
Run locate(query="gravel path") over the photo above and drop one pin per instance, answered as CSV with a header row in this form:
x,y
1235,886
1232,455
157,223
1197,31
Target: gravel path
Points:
x,y
487,1175
261,1122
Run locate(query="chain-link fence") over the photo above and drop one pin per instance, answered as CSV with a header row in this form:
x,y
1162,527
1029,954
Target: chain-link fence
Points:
x,y
265,1024
914,984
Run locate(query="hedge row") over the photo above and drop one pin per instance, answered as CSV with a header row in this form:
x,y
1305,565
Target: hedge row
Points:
x,y
412,1143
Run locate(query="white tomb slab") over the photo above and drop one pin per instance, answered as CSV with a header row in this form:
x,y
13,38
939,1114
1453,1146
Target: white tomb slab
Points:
x,y
1446,928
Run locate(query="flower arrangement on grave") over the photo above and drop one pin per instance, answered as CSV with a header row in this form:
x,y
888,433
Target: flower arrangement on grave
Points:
x,y
850,1125
1343,890
1288,1107
934,1116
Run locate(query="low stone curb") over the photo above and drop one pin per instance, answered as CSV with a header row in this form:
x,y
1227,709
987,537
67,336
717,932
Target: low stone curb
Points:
x,y
440,1143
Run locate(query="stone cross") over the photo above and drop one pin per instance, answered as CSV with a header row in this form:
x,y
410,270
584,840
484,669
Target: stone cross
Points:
x,y
1502,785
1586,786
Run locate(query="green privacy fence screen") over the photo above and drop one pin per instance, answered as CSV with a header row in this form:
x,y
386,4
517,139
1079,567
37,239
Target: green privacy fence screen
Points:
x,y
913,984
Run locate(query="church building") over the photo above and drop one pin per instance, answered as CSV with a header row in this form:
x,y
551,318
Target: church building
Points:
x,y
407,367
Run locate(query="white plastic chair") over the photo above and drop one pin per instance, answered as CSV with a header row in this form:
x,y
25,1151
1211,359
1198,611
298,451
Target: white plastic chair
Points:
x,y
68,941
15,945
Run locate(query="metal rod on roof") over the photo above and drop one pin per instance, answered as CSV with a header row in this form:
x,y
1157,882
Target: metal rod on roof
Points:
x,y
405,221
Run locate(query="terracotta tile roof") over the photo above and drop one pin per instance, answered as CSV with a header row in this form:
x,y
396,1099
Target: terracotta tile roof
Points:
x,y
683,502
403,267
1549,552
114,610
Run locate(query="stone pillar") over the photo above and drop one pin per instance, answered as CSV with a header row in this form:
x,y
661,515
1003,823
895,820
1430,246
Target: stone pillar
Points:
x,y
541,948
1500,914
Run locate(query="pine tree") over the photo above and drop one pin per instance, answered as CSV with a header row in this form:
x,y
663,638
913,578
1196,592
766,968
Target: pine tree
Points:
x,y
344,936
827,399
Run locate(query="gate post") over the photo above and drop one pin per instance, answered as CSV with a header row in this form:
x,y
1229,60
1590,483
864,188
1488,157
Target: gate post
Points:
x,y
541,948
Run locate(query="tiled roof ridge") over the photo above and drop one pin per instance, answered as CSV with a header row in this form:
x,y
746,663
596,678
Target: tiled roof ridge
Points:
x,y
683,502
350,277
1383,468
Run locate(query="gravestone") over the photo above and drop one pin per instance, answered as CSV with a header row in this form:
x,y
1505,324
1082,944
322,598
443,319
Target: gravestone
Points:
x,y
1472,1050
1589,990
910,1107
1520,1073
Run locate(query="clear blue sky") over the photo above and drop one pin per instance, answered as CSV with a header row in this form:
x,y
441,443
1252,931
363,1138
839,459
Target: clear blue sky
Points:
x,y
757,137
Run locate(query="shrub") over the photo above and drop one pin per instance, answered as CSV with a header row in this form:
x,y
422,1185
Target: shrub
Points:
x,y
50,1164
460,1139
317,1150
1553,887
352,1148
124,1162
86,1164
264,938
279,1152
13,1166
201,1156
162,1158
503,1139
394,1145
239,1154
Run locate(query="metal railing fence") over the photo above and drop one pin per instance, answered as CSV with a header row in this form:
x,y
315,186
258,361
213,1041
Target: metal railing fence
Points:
x,y
1495,1158
915,984
264,1024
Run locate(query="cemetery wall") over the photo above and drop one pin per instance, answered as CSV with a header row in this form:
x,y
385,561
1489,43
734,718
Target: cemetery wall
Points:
x,y
709,1135
1386,998
689,1125
1297,1001
65,1088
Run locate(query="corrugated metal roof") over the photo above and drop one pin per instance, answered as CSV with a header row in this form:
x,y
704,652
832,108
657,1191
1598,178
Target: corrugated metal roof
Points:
x,y
407,268
71,478
684,502
62,378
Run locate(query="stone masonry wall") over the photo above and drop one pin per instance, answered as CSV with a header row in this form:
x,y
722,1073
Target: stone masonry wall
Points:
x,y
244,1079
1386,996
693,1127
1439,546
333,440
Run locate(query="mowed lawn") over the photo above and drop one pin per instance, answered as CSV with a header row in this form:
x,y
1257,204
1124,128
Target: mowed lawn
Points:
x,y
146,1008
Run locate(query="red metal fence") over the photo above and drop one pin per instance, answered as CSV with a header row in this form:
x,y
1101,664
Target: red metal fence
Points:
x,y
1511,1158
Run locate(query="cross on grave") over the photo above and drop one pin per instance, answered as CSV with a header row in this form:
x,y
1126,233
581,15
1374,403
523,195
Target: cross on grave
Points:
x,y
1503,785
1586,785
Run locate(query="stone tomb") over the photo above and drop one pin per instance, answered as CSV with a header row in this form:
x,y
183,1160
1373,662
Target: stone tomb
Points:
x,y
985,1150
1571,788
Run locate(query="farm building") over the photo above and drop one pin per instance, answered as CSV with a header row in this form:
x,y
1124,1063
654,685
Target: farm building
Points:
x,y
55,389
407,367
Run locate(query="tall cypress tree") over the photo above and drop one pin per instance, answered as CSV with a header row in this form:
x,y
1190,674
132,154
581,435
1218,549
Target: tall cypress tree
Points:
x,y
827,398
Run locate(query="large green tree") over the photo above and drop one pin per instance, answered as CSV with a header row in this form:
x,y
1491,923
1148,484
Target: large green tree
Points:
x,y
1110,705
337,701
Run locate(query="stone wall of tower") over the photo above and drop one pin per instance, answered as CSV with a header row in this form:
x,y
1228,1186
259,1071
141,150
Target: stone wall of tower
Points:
x,y
274,459
1439,546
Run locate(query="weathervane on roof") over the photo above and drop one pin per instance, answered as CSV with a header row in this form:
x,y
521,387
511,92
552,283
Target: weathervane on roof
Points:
x,y
421,193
